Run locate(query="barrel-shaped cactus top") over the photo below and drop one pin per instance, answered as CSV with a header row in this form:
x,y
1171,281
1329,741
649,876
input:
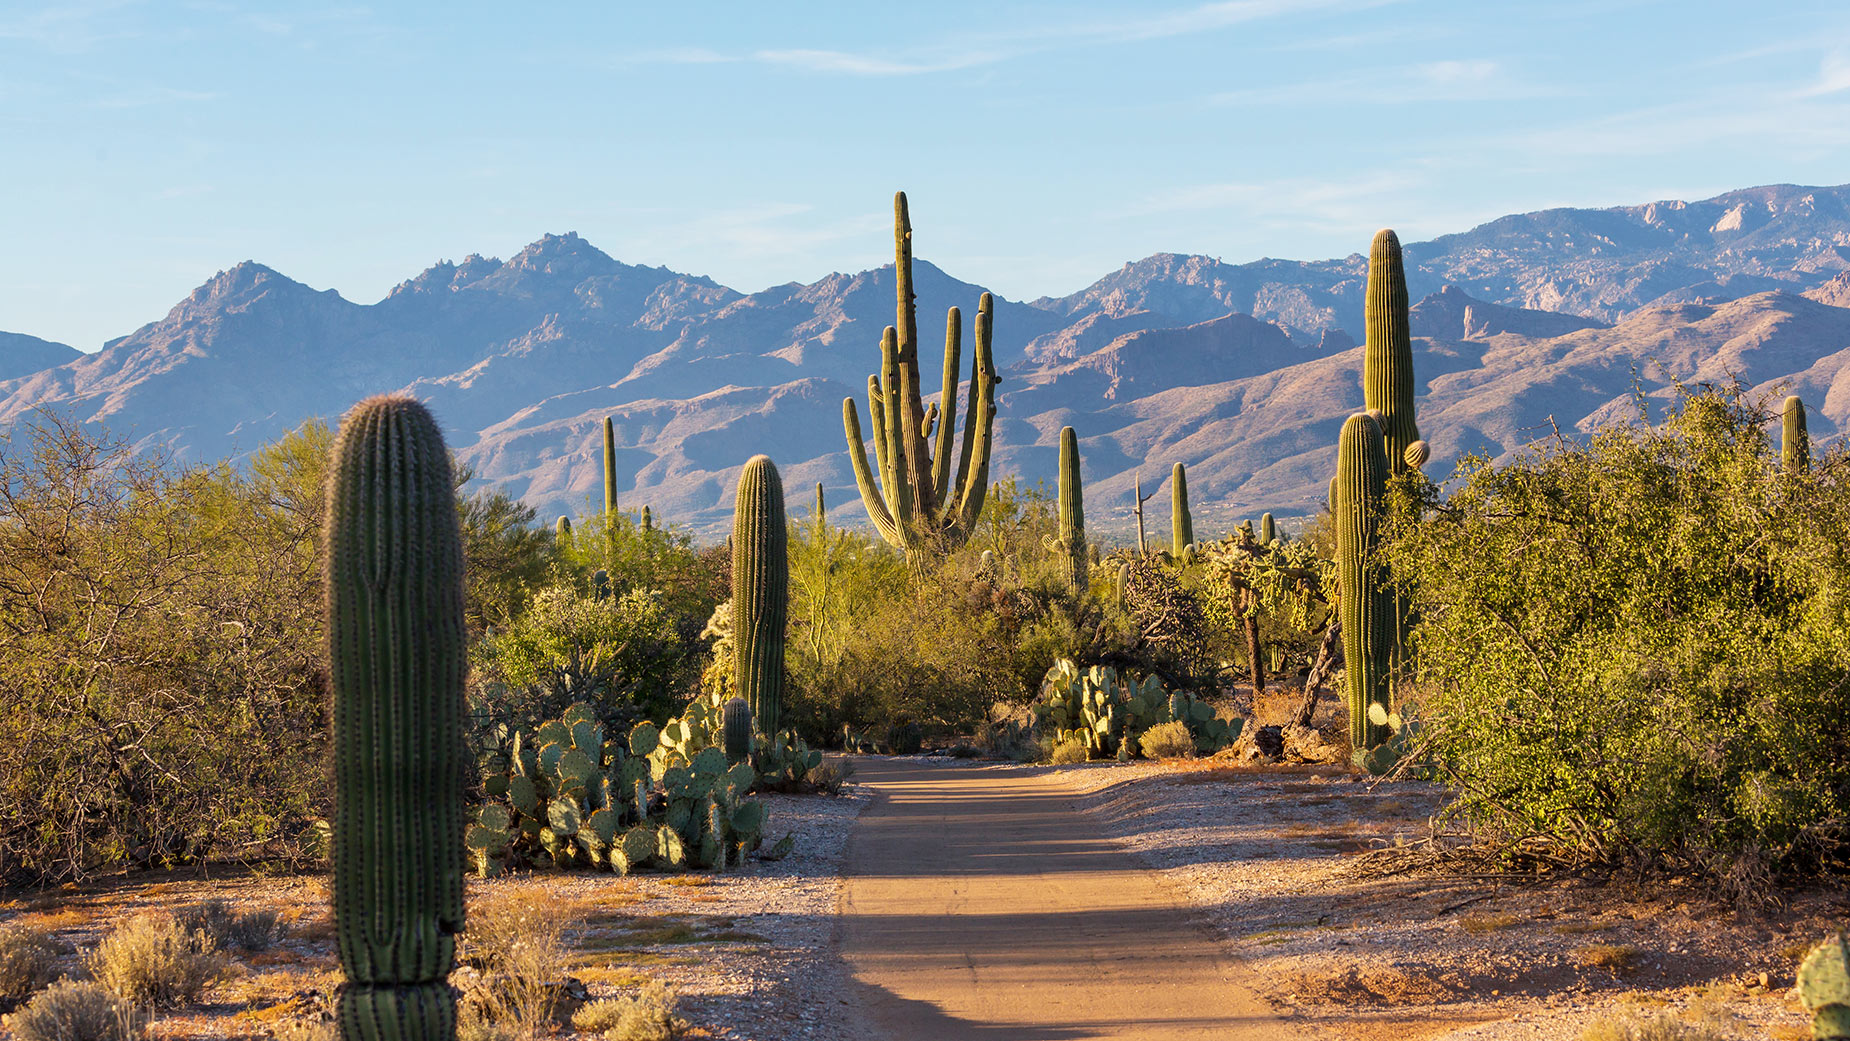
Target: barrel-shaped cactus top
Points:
x,y
760,591
1181,524
1794,442
1387,360
397,657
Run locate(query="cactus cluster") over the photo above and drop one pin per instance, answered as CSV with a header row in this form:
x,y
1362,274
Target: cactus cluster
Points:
x,y
571,797
397,656
917,502
1106,713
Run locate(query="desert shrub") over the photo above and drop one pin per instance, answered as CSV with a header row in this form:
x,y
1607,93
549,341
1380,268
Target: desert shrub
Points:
x,y
1636,647
152,960
516,940
227,927
28,961
304,1030
73,1011
1069,751
1695,1025
646,1016
621,654
160,655
1168,741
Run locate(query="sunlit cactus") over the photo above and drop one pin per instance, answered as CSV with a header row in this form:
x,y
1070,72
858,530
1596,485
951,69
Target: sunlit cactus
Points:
x,y
1367,603
397,657
1072,509
1387,360
1181,525
760,591
917,501
1794,442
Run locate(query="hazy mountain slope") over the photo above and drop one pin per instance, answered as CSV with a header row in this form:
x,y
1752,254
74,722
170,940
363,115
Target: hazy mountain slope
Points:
x,y
22,355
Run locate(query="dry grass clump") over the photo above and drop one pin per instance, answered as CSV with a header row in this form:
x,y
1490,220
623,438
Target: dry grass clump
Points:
x,y
1618,958
1698,1024
516,939
304,1030
250,931
72,1011
647,1016
1169,741
28,962
153,960
1067,752
1479,924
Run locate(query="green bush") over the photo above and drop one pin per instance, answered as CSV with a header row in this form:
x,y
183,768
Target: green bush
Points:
x,y
1636,648
72,1011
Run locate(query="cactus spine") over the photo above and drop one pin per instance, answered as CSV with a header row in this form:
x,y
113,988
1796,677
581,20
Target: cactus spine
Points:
x,y
1181,525
397,657
1387,361
1072,509
1794,442
917,502
760,591
1367,602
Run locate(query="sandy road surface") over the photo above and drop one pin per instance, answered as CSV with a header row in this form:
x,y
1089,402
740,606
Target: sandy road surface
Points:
x,y
979,903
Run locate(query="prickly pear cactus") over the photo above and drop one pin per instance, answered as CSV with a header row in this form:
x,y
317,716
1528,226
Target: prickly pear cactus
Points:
x,y
397,656
1824,986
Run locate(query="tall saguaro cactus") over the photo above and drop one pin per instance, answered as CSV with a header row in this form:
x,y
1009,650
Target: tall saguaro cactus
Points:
x,y
918,502
1794,442
610,472
1387,361
1072,509
1181,525
397,656
1367,603
760,590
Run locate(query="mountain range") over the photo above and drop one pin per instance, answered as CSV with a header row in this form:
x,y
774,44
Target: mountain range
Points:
x,y
1244,372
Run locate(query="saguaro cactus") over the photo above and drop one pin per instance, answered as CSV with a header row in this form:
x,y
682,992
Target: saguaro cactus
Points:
x,y
760,591
396,651
1072,509
562,530
1181,525
648,519
821,509
1794,442
918,504
1387,361
1268,529
610,472
1367,602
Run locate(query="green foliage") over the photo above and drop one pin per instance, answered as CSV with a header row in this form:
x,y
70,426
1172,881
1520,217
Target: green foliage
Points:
x,y
398,655
1635,647
624,656
73,1011
918,504
160,654
1285,585
509,558
1166,741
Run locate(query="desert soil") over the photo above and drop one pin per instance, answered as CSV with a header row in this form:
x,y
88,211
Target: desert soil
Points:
x,y
940,898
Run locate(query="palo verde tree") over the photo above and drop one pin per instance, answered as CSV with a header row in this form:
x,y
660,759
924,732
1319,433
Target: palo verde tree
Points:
x,y
919,503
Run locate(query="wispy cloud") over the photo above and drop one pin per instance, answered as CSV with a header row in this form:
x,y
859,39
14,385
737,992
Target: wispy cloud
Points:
x,y
1833,76
1469,79
863,65
69,27
1324,205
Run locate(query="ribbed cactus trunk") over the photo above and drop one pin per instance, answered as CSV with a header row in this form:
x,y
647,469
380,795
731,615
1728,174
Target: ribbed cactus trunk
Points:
x,y
820,512
1072,509
1794,442
610,490
1268,529
1367,604
648,519
1181,525
1387,361
396,651
917,500
760,591
562,530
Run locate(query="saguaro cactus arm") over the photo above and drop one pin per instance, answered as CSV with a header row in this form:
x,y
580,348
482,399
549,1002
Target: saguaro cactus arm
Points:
x,y
863,478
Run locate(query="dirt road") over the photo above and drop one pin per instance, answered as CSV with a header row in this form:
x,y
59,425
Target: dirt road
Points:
x,y
981,903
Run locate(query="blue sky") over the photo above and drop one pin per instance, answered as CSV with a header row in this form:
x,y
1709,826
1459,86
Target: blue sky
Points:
x,y
145,146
